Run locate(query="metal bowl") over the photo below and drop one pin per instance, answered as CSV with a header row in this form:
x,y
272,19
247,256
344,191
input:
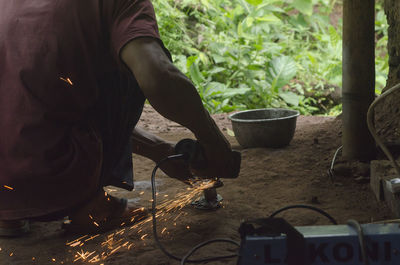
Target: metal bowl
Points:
x,y
264,127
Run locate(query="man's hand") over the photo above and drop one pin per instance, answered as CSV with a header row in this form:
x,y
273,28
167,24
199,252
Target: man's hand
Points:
x,y
156,149
221,162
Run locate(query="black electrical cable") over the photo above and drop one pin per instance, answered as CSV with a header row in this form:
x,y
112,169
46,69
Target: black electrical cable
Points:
x,y
154,221
356,225
333,221
193,250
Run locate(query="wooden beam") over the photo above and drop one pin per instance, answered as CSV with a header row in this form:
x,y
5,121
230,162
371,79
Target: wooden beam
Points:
x,y
358,77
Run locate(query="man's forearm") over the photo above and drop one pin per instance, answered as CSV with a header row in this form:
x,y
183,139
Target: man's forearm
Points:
x,y
150,145
184,106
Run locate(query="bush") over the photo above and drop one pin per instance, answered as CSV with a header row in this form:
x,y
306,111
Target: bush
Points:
x,y
245,54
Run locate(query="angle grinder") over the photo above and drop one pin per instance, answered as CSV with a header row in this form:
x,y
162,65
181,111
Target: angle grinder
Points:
x,y
194,155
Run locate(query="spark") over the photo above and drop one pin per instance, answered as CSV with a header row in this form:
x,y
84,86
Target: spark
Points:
x,y
33,258
75,244
96,224
141,193
11,254
8,187
115,249
92,237
162,232
187,227
53,259
120,232
67,80
76,240
142,237
94,259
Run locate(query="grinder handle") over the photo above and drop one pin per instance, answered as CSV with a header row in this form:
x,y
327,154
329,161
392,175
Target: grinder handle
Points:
x,y
193,153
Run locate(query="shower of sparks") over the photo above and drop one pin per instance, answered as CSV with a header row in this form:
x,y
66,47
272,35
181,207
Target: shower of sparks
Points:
x,y
115,241
67,80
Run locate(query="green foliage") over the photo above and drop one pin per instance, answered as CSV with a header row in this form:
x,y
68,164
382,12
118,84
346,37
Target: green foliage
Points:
x,y
244,54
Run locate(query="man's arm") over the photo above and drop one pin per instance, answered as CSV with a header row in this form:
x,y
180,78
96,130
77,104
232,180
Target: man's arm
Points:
x,y
173,95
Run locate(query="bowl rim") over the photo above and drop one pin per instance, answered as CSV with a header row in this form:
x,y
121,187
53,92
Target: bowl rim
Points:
x,y
232,118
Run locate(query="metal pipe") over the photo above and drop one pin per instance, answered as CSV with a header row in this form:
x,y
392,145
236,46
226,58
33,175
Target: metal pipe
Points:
x,y
358,77
211,196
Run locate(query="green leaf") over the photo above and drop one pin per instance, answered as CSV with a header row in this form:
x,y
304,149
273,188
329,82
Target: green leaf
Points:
x,y
218,58
249,21
254,2
268,18
334,36
194,71
280,71
230,132
304,6
231,92
290,98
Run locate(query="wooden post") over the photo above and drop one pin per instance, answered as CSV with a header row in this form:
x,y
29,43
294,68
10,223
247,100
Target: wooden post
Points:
x,y
358,77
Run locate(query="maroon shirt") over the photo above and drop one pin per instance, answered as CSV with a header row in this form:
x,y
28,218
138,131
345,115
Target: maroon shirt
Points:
x,y
51,55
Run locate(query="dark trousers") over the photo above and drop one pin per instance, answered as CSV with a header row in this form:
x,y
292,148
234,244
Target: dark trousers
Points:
x,y
120,104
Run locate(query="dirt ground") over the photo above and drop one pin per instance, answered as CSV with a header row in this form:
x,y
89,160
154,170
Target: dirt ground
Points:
x,y
269,179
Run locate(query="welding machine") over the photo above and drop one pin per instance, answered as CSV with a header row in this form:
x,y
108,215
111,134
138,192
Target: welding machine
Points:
x,y
274,241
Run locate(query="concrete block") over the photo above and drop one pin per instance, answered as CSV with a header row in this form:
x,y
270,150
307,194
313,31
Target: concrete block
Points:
x,y
382,173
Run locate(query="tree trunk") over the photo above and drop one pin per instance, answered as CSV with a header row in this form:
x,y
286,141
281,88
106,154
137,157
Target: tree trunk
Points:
x,y
387,113
358,77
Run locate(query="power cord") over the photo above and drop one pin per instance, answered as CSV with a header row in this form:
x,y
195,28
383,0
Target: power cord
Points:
x,y
331,171
184,259
361,239
322,212
372,129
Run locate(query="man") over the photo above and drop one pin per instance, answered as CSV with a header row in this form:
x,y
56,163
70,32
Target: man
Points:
x,y
73,79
